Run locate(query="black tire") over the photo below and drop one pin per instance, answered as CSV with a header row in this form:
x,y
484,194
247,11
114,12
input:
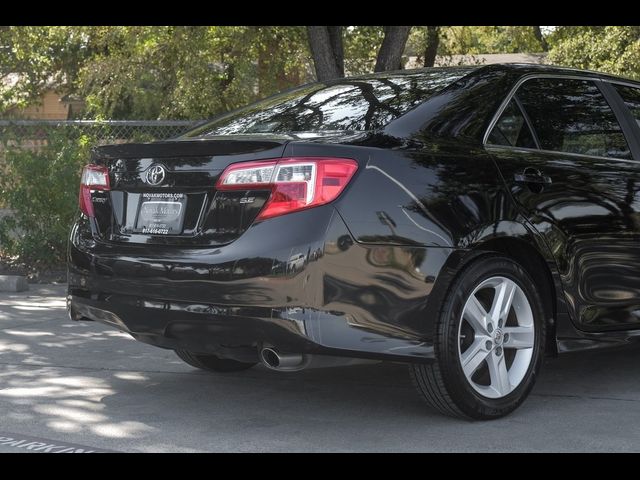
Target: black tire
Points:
x,y
443,383
212,363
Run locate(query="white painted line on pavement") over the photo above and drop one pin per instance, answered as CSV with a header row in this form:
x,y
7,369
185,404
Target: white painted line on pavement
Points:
x,y
45,445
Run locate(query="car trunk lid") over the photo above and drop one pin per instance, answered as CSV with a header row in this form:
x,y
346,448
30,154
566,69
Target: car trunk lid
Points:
x,y
163,192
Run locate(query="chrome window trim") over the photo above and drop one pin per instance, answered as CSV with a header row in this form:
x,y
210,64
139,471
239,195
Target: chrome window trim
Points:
x,y
555,152
625,83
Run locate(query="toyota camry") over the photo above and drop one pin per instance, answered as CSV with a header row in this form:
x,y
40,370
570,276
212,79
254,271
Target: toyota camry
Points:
x,y
465,221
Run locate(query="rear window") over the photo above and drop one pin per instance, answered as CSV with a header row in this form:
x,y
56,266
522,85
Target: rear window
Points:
x,y
572,116
349,104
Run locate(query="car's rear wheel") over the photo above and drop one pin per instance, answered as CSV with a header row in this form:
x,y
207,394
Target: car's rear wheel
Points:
x,y
489,342
212,363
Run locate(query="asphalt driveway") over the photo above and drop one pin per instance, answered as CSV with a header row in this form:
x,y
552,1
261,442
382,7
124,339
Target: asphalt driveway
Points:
x,y
67,386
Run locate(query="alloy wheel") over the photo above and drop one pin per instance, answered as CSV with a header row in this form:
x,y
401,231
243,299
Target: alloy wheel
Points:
x,y
496,337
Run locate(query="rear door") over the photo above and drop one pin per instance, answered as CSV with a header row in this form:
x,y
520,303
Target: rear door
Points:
x,y
562,151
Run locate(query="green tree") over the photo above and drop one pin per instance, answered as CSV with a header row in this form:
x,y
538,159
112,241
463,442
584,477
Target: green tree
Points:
x,y
360,51
611,49
33,57
426,42
474,40
40,187
152,71
190,72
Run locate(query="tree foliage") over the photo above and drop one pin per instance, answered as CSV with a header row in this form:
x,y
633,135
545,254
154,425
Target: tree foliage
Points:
x,y
361,48
33,57
425,42
154,71
40,187
611,49
149,72
474,40
189,72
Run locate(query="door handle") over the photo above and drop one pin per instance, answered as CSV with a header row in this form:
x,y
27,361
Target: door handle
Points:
x,y
532,175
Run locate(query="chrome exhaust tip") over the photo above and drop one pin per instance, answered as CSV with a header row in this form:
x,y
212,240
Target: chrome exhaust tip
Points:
x,y
275,360
293,362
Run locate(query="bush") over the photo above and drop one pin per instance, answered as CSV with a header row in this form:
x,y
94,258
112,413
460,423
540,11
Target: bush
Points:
x,y
39,186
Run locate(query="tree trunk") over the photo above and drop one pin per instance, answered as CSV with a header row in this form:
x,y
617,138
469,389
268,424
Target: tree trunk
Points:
x,y
335,38
390,53
431,48
543,42
326,49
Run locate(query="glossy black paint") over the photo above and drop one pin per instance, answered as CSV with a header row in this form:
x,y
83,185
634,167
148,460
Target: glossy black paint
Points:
x,y
303,287
589,217
212,218
365,275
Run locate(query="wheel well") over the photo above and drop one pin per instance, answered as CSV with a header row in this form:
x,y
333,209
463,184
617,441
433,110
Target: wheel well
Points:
x,y
534,263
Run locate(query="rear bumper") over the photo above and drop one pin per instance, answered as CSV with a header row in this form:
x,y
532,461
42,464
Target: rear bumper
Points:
x,y
297,282
233,332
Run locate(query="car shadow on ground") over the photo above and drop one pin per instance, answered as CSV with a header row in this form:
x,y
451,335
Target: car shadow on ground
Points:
x,y
86,383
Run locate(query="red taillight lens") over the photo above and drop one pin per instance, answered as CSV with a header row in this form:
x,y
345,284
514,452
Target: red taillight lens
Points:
x,y
94,177
295,183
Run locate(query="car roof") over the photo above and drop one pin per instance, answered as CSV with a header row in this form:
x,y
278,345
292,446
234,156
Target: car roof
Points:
x,y
464,108
533,68
517,68
462,69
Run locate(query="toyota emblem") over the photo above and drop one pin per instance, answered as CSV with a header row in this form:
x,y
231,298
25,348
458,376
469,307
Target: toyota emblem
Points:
x,y
155,175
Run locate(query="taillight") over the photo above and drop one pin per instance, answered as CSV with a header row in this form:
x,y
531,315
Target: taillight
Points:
x,y
94,177
295,183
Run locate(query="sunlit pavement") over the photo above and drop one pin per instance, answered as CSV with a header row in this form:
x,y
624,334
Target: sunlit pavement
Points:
x,y
86,386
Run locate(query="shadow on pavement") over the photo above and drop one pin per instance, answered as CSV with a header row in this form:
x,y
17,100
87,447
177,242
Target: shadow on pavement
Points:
x,y
89,384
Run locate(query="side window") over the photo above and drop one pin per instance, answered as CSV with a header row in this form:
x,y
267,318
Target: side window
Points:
x,y
631,97
570,115
512,129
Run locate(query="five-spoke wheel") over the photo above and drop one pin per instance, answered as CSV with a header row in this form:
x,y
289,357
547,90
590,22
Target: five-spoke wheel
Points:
x,y
496,337
489,340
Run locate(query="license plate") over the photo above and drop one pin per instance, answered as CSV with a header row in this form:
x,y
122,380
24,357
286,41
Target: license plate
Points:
x,y
161,213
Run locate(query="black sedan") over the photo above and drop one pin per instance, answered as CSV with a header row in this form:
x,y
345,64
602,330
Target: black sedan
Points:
x,y
465,221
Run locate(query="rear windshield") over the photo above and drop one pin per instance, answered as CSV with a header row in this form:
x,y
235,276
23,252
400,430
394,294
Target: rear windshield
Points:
x,y
349,104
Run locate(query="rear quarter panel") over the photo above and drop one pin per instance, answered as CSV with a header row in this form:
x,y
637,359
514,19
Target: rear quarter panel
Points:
x,y
435,204
432,195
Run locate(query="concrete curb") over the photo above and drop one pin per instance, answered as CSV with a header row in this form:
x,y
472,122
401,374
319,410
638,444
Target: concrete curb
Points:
x,y
13,283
